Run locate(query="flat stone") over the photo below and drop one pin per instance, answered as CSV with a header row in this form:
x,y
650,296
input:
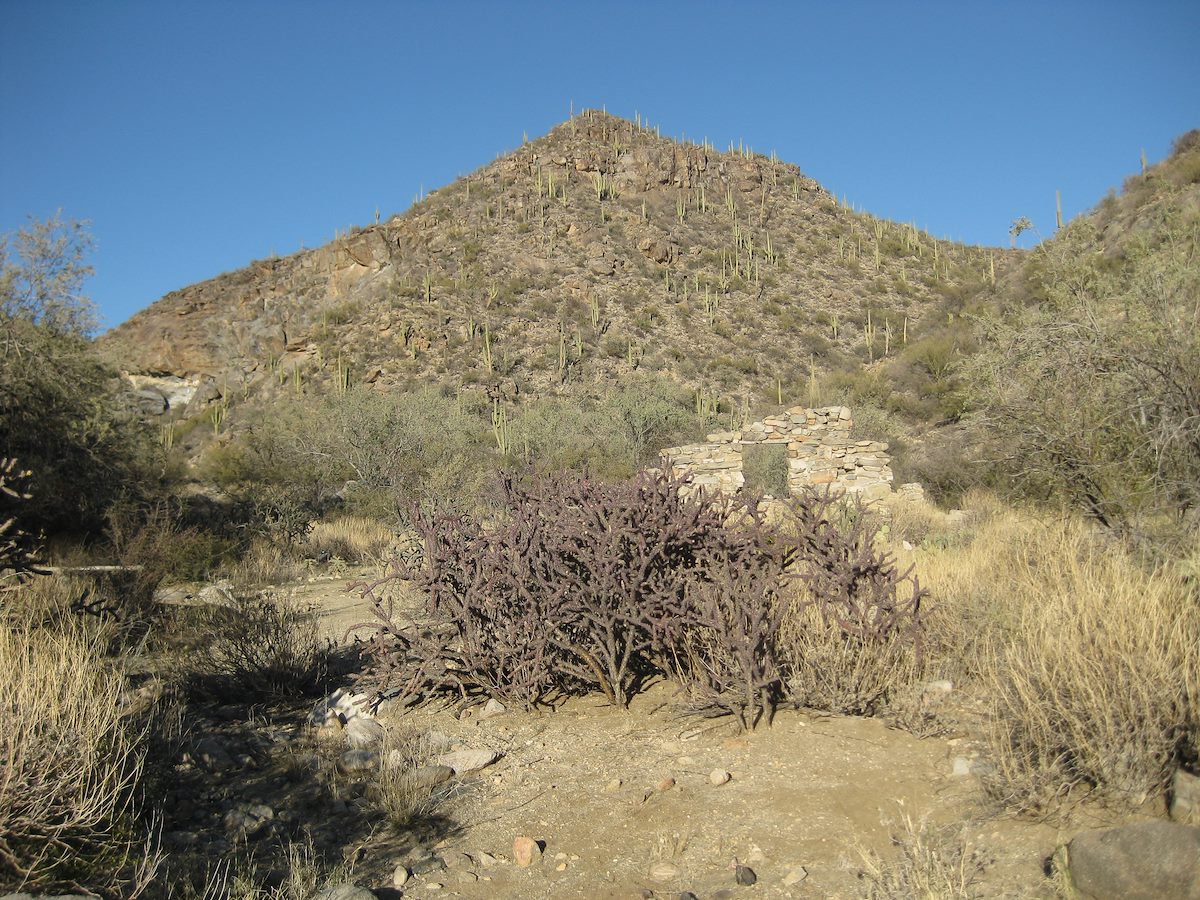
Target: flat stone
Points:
x,y
795,875
456,859
362,733
358,760
211,754
464,762
493,708
663,871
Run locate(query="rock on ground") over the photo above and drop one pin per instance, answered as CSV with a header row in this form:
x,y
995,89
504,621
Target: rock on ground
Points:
x,y
1145,861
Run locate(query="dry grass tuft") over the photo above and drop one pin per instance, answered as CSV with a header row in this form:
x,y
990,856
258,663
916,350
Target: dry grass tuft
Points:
x,y
1088,659
305,875
70,763
932,864
354,539
402,790
264,563
830,670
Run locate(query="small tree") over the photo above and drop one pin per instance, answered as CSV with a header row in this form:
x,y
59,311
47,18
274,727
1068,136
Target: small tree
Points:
x,y
58,410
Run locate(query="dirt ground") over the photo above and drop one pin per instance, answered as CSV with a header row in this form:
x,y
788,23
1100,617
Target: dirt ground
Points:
x,y
624,804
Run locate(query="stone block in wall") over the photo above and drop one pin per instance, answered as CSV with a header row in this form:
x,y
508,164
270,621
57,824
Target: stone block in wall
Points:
x,y
877,491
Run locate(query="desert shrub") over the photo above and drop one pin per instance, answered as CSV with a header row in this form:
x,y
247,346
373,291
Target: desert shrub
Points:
x,y
264,648
71,764
948,464
283,514
1094,390
60,414
582,585
650,413
1099,685
152,545
722,643
377,452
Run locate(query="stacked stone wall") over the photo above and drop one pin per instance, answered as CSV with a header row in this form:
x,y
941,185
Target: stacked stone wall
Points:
x,y
820,453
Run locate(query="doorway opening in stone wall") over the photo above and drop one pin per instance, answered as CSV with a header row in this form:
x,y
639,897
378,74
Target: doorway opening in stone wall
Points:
x,y
765,468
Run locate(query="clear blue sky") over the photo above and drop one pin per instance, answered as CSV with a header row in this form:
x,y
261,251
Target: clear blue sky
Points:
x,y
197,137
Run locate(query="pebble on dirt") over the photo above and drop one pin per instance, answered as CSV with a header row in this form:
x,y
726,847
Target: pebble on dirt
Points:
x,y
526,851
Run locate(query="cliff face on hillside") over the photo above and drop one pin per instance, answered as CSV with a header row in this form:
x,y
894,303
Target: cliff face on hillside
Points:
x,y
592,253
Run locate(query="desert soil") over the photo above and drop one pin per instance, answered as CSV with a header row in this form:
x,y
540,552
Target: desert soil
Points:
x,y
624,804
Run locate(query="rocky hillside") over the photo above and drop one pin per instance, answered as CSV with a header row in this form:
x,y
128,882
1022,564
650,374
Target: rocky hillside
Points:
x,y
596,251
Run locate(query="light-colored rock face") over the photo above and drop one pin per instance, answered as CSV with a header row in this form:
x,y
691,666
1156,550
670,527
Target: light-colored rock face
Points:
x,y
172,392
820,454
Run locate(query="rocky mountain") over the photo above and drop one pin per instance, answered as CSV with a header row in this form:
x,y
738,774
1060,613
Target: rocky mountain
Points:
x,y
599,250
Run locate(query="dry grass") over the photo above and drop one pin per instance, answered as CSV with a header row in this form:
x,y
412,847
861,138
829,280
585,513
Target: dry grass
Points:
x,y
829,670
1089,661
264,563
305,875
70,763
354,539
400,790
1101,686
932,864
43,602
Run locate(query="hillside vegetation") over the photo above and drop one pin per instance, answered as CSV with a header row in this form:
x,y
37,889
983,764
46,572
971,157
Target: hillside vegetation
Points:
x,y
598,251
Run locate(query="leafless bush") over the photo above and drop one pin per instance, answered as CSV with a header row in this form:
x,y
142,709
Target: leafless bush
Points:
x,y
721,643
582,584
17,546
853,623
265,648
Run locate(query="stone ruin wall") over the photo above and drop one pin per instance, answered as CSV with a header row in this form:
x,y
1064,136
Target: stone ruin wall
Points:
x,y
820,454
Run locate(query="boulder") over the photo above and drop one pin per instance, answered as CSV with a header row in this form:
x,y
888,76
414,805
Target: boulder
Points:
x,y
1155,860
